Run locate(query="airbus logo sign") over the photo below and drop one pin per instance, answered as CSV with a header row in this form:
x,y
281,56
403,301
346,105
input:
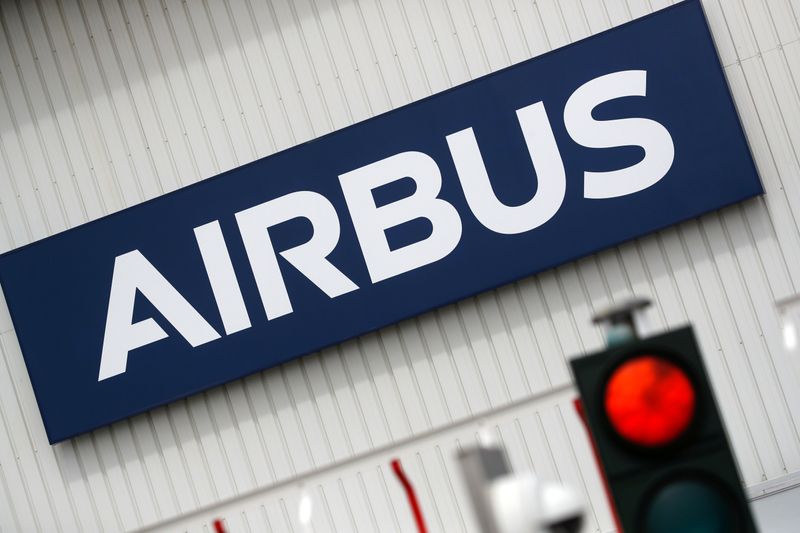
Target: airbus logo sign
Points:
x,y
602,141
132,271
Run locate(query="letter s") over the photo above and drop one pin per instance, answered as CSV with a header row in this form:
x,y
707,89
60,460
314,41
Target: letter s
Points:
x,y
659,151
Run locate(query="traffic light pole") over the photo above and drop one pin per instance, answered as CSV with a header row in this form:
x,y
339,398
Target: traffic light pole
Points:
x,y
619,321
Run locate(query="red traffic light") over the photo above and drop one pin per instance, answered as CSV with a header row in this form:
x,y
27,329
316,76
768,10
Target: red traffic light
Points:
x,y
659,437
649,401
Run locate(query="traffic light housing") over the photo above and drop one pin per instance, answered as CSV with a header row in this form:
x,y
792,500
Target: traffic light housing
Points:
x,y
659,437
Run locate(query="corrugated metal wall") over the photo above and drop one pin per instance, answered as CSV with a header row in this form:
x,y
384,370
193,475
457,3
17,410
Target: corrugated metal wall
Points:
x,y
104,104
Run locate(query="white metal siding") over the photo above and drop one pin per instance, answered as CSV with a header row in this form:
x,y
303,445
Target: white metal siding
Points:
x,y
105,104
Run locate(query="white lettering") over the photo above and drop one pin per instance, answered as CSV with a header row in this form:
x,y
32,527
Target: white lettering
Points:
x,y
309,258
659,151
133,272
222,277
371,222
550,176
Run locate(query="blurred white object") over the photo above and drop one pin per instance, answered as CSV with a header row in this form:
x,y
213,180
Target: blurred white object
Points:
x,y
486,437
789,309
304,509
789,335
522,504
562,509
505,502
515,501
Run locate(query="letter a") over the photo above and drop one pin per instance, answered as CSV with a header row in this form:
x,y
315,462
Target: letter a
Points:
x,y
133,272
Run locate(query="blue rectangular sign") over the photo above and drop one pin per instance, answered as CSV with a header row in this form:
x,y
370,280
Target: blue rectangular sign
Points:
x,y
604,140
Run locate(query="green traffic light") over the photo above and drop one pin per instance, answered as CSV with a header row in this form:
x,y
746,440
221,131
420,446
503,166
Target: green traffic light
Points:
x,y
691,506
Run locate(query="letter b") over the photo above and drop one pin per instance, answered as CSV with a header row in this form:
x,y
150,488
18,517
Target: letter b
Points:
x,y
371,222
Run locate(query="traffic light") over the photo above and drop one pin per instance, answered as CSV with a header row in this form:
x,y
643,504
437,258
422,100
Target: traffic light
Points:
x,y
659,436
